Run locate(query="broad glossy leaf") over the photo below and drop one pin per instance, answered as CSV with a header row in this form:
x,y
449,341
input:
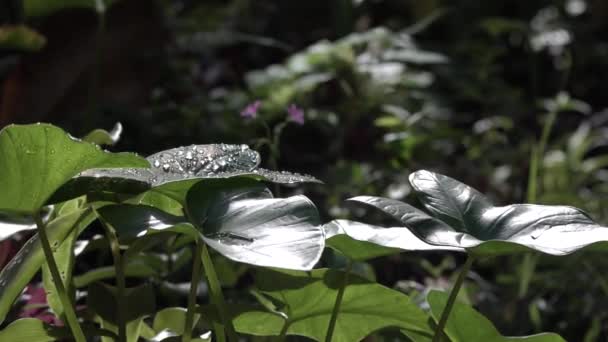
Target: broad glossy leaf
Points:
x,y
465,218
467,325
176,170
242,222
20,270
32,330
103,137
138,303
360,241
36,160
307,298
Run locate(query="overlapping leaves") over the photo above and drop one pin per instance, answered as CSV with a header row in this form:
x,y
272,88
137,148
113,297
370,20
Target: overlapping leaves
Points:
x,y
463,217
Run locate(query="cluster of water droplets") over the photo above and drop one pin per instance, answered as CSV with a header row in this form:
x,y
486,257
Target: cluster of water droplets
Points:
x,y
206,160
201,161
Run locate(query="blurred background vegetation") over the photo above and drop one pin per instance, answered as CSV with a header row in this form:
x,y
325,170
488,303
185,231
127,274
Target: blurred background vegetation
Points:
x,y
506,96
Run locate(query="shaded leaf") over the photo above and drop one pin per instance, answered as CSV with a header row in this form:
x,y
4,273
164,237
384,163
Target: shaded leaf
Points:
x,y
20,38
467,325
308,298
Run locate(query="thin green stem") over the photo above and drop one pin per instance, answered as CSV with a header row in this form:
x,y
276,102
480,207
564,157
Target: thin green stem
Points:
x,y
283,334
336,310
120,278
217,296
67,304
194,282
452,298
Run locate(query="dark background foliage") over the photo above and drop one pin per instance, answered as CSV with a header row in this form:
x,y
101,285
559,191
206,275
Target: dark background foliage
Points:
x,y
463,88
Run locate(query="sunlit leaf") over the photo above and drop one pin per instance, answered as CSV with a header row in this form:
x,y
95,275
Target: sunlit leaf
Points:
x,y
360,241
35,160
465,218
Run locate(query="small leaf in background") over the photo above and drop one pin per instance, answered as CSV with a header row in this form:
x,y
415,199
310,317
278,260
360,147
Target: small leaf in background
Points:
x,y
466,325
36,160
172,319
103,137
307,300
20,38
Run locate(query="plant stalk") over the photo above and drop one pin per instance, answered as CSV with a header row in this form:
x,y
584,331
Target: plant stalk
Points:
x,y
452,298
120,279
336,310
68,306
283,335
194,282
215,290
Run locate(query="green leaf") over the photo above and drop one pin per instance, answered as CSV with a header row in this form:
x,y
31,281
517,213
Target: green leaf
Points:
x,y
21,38
360,241
467,325
307,300
139,302
36,160
133,269
240,220
172,319
465,218
103,137
32,330
22,268
41,8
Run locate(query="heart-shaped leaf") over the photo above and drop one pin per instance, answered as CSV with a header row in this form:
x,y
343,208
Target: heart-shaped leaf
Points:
x,y
22,268
242,222
306,300
35,160
360,241
465,218
467,325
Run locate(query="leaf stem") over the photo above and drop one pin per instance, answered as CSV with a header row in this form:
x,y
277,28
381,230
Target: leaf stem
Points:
x,y
283,334
452,298
215,290
68,307
120,278
336,310
194,282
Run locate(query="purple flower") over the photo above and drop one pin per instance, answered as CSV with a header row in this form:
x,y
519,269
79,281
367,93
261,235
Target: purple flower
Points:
x,y
295,114
251,111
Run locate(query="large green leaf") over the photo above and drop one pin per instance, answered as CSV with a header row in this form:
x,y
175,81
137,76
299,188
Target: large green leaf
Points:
x,y
305,301
35,160
464,218
360,241
176,170
20,270
238,218
467,325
